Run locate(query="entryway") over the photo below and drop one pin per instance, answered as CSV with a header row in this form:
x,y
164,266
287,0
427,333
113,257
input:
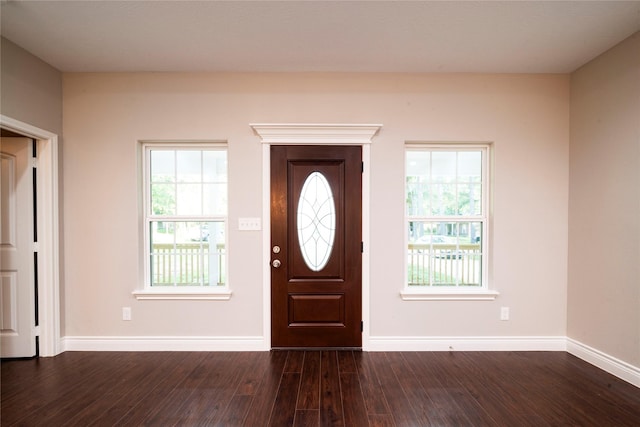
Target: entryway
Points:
x,y
311,318
18,280
316,246
46,249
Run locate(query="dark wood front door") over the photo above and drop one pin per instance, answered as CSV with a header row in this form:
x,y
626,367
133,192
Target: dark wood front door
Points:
x,y
316,246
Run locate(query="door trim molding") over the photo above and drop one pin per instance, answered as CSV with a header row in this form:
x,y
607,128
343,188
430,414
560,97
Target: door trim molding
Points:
x,y
309,134
48,233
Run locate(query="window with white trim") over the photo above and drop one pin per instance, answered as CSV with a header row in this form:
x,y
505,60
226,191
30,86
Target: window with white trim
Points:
x,y
446,188
185,216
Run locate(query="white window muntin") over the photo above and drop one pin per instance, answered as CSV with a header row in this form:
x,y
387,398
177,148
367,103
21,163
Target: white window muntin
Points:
x,y
179,216
481,217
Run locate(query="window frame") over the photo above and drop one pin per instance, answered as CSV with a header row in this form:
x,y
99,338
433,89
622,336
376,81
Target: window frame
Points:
x,y
457,292
149,292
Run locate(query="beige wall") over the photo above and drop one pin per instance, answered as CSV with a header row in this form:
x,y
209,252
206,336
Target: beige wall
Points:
x,y
31,93
550,221
604,242
31,89
526,116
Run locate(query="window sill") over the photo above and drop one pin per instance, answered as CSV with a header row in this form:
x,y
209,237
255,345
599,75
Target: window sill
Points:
x,y
183,294
448,295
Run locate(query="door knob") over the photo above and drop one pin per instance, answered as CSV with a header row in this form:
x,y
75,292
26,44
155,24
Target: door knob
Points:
x,y
276,263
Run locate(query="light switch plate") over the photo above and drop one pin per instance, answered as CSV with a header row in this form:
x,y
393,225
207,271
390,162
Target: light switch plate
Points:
x,y
248,224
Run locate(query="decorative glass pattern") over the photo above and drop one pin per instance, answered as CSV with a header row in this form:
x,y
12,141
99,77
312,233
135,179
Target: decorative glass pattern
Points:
x,y
316,221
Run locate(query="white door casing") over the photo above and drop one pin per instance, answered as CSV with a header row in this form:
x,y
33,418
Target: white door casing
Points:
x,y
17,292
48,269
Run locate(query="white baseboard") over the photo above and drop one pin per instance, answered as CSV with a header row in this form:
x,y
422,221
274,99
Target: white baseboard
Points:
x,y
608,363
114,343
381,343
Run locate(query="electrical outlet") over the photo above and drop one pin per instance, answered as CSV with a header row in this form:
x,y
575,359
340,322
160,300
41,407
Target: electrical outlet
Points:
x,y
126,313
504,313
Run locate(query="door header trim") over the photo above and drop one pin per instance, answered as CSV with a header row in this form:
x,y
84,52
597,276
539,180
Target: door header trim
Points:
x,y
307,133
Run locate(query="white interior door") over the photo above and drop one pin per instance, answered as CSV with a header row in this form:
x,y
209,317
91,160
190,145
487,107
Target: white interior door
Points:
x,y
17,300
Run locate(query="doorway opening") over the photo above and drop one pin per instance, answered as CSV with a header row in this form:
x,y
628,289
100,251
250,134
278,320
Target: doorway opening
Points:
x,y
306,135
316,239
46,222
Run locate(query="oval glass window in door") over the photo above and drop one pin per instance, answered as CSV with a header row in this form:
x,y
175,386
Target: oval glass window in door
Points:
x,y
316,221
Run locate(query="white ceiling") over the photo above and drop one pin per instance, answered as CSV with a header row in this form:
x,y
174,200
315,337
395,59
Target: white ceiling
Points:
x,y
300,36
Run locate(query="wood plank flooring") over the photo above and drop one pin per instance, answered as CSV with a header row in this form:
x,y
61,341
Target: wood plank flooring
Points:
x,y
314,388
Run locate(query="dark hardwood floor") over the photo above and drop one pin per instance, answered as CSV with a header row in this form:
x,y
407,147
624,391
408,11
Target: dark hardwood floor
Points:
x,y
314,388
